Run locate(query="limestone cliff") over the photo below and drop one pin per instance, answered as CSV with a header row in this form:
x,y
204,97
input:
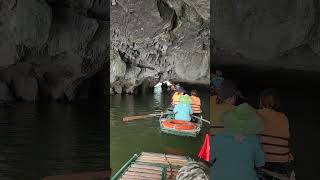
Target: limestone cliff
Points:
x,y
49,47
158,39
269,34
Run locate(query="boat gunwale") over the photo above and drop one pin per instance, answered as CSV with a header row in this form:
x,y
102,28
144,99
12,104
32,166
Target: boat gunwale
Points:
x,y
173,131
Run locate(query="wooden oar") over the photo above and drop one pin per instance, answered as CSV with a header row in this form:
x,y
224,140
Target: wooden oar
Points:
x,y
201,119
131,118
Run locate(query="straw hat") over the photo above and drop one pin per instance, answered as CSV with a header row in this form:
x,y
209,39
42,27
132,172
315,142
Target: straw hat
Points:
x,y
243,120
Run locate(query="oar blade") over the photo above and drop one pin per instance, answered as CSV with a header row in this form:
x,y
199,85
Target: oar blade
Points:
x,y
131,118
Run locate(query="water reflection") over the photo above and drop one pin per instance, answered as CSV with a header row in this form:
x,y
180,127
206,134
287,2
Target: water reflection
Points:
x,y
38,140
157,97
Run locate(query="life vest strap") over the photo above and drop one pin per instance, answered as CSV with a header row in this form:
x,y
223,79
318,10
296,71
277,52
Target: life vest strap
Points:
x,y
277,145
278,154
276,137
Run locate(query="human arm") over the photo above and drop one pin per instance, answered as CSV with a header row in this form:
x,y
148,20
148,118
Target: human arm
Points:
x,y
213,149
175,109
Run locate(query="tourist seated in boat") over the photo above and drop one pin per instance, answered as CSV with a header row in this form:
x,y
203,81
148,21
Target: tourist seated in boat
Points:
x,y
183,110
217,80
176,96
224,101
195,103
173,88
276,135
236,151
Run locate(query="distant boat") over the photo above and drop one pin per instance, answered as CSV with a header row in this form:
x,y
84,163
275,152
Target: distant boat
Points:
x,y
159,85
170,125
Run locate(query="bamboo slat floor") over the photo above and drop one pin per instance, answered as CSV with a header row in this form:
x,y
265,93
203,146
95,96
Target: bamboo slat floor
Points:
x,y
151,166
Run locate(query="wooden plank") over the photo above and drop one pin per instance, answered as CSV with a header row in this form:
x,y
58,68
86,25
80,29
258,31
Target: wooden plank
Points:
x,y
81,176
132,169
178,159
136,165
145,175
163,162
168,159
162,155
125,177
165,157
156,160
160,161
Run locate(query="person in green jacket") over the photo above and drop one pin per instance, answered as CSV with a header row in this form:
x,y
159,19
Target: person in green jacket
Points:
x,y
236,151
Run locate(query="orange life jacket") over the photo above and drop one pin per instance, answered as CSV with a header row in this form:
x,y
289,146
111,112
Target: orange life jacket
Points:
x,y
275,137
175,98
195,104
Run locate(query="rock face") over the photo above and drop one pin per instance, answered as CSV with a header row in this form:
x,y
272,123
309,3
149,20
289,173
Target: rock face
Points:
x,y
159,39
49,48
266,34
33,21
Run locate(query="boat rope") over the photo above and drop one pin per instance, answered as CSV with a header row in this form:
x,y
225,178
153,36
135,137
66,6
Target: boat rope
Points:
x,y
169,166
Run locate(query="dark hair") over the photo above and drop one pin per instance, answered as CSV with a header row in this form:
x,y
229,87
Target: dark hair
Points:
x,y
269,98
220,101
194,92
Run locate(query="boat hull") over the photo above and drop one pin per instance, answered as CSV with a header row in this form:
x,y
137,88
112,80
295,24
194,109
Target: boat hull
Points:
x,y
178,130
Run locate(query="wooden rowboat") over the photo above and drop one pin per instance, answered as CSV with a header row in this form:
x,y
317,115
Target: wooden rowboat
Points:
x,y
151,166
176,127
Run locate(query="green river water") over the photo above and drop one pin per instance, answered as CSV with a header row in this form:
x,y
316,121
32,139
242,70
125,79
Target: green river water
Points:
x,y
145,135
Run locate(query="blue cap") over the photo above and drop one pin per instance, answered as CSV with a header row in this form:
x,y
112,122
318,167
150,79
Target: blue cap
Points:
x,y
180,89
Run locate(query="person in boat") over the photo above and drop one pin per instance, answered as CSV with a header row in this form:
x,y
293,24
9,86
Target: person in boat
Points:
x,y
276,135
167,85
217,80
173,88
195,103
236,152
225,100
176,96
183,110
178,85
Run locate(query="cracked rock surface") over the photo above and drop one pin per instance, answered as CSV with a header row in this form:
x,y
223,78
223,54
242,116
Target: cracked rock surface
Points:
x,y
49,48
266,34
158,39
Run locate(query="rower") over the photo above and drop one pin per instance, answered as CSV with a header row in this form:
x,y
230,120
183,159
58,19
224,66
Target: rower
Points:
x,y
195,103
276,135
176,96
